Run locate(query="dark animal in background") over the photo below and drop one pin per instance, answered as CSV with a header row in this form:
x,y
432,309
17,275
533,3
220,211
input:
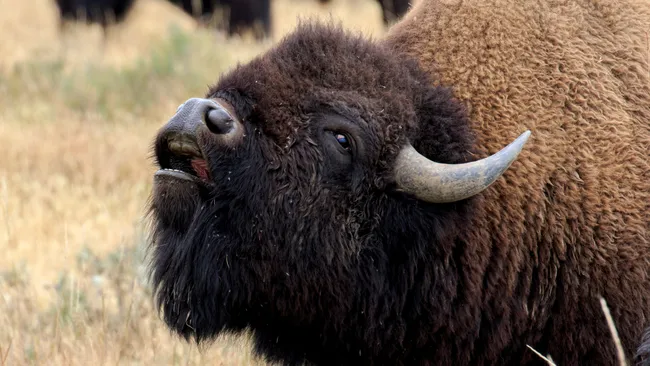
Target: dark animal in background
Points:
x,y
336,197
250,14
391,10
235,16
102,12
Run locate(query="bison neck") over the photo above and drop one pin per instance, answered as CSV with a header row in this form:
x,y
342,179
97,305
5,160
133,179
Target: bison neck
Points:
x,y
431,291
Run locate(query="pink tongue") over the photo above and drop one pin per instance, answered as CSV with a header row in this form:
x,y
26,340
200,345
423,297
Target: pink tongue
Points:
x,y
201,168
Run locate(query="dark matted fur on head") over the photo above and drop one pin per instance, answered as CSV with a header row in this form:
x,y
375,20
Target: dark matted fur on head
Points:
x,y
300,233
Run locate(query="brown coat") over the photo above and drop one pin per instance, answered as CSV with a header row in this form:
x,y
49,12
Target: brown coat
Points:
x,y
573,212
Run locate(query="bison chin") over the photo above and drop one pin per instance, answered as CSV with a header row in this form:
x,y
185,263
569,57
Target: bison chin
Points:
x,y
175,201
191,263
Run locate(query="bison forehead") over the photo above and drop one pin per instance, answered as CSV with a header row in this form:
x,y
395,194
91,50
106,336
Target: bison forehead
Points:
x,y
323,65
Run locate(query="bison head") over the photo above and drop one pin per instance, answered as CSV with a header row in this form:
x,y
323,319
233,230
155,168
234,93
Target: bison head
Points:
x,y
309,195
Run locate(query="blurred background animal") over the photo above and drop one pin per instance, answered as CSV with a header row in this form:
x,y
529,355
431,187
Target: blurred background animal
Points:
x,y
392,10
234,16
102,12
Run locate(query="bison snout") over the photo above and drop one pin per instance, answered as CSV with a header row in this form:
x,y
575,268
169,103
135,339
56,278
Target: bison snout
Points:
x,y
197,124
195,113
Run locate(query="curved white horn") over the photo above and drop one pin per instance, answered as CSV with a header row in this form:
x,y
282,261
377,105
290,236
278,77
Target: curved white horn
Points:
x,y
440,183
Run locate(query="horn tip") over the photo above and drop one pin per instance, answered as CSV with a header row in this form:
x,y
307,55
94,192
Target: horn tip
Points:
x,y
524,136
521,140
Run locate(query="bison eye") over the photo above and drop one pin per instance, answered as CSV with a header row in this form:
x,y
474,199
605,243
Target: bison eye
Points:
x,y
340,138
343,141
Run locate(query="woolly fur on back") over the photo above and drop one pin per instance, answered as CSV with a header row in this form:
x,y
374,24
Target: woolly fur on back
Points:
x,y
570,220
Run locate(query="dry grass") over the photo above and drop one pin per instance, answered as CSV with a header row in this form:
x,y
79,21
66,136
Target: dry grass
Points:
x,y
76,121
620,353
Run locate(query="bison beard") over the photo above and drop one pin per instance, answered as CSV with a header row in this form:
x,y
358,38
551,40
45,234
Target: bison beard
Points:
x,y
299,230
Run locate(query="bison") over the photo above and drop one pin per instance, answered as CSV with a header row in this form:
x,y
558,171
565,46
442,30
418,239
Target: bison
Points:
x,y
102,12
239,15
391,10
381,202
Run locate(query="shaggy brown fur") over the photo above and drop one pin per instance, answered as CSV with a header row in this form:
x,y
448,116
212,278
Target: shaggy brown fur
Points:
x,y
308,242
571,220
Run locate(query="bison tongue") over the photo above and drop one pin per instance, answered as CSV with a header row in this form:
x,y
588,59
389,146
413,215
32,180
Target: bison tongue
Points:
x,y
200,166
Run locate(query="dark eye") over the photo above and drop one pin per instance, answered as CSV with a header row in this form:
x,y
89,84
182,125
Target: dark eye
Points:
x,y
342,140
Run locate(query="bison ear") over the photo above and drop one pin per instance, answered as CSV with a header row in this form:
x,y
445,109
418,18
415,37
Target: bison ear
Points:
x,y
436,168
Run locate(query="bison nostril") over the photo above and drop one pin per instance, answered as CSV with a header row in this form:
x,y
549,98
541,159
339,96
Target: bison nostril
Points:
x,y
196,112
219,121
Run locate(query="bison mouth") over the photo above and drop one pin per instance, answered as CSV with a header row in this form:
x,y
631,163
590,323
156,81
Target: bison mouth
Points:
x,y
181,186
181,158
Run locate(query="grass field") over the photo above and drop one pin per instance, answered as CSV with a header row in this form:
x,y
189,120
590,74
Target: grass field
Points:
x,y
77,118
